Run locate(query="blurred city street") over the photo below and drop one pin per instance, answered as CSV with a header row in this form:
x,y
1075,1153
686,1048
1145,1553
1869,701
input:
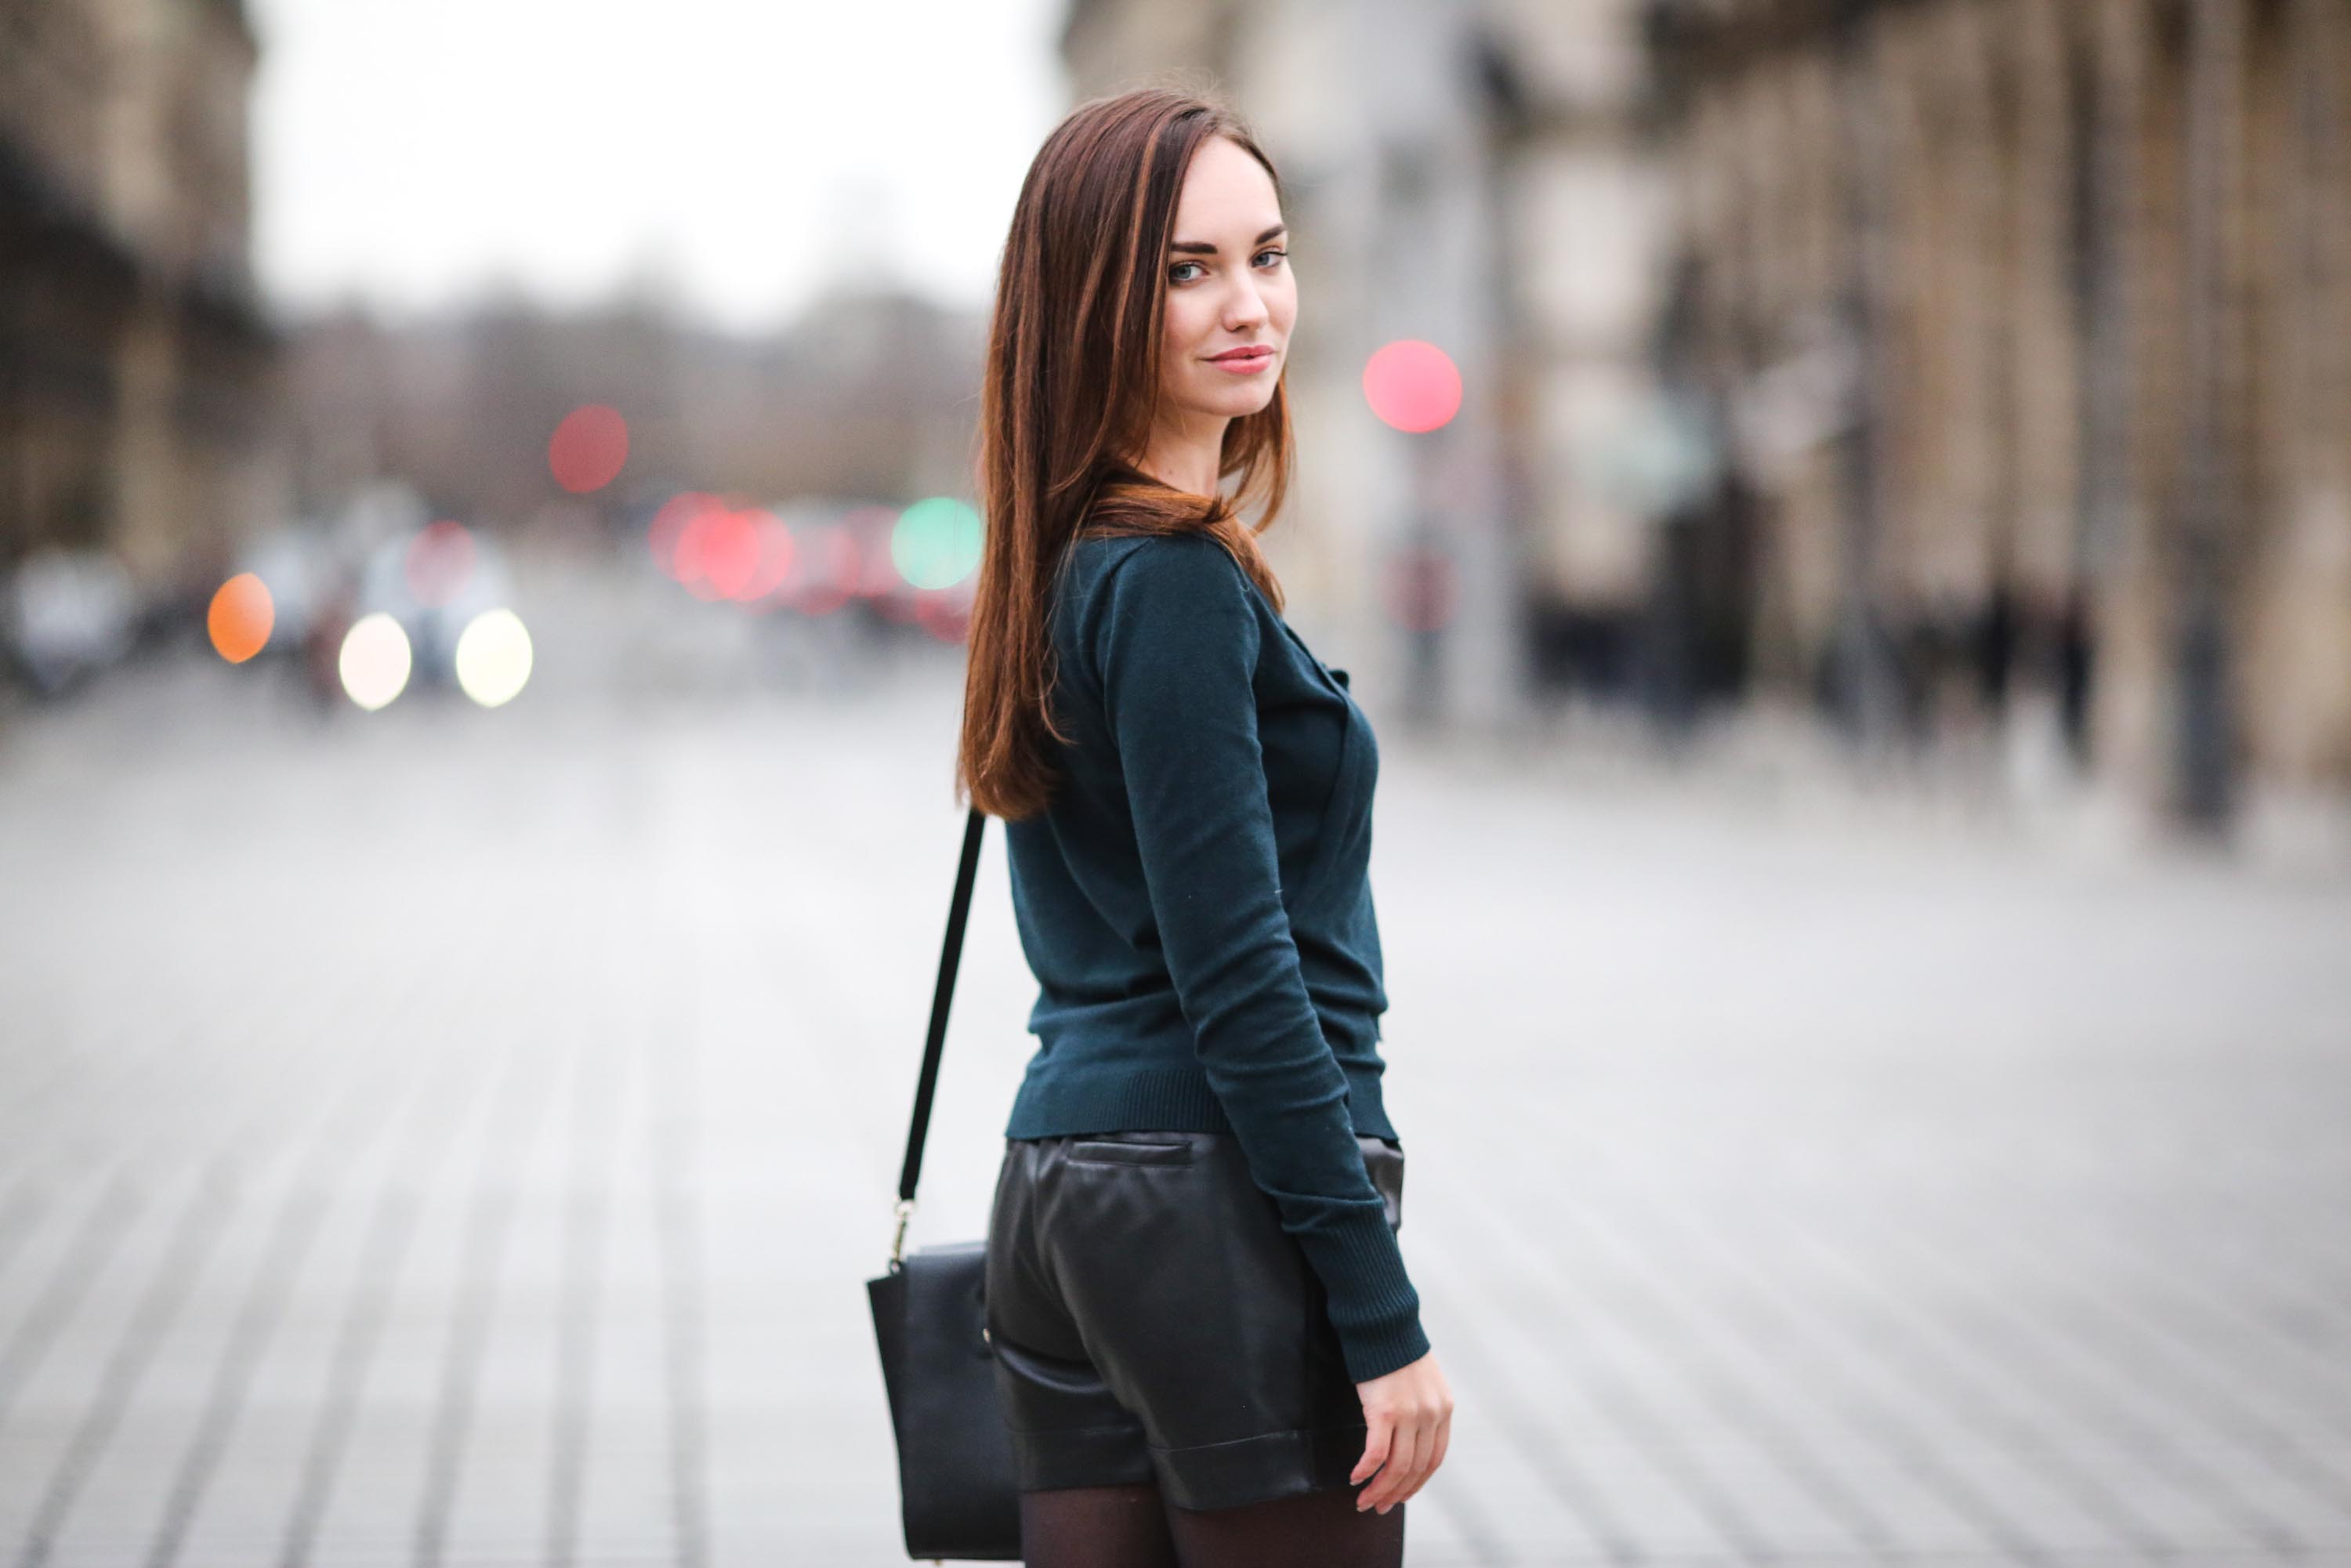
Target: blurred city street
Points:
x,y
461,1135
1839,515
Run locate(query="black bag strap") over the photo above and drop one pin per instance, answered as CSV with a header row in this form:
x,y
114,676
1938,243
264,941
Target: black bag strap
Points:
x,y
957,914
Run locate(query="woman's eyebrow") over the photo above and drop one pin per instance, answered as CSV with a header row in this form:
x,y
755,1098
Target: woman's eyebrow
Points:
x,y
1200,248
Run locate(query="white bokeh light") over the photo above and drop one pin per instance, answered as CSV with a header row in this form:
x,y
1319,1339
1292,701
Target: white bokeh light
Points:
x,y
375,660
494,657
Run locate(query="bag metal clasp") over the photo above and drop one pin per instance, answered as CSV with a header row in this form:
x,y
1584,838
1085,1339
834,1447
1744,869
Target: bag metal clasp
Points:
x,y
905,1209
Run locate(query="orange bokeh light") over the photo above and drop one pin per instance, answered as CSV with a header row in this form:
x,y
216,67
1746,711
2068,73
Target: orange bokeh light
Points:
x,y
589,448
1412,385
240,617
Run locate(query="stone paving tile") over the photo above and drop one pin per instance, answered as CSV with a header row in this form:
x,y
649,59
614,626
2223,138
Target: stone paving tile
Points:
x,y
461,1138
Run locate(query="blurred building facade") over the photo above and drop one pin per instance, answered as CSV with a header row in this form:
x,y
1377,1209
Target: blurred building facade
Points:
x,y
1975,371
2029,326
134,360
1474,176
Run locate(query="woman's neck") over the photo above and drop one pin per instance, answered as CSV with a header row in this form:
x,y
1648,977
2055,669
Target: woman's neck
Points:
x,y
1187,456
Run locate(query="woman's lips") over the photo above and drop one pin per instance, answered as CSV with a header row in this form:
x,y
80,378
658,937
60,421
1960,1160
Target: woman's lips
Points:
x,y
1243,362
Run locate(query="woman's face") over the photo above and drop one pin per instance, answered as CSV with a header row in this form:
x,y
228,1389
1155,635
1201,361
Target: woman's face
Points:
x,y
1230,295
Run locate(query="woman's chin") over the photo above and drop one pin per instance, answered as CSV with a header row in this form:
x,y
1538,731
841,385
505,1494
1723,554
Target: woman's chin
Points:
x,y
1239,402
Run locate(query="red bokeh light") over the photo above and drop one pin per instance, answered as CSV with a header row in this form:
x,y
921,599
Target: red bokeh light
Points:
x,y
720,550
668,528
773,553
1413,385
439,561
589,448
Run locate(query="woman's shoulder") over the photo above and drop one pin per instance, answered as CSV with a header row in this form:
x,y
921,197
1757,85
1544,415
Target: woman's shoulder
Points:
x,y
1156,586
1193,561
1107,574
1109,546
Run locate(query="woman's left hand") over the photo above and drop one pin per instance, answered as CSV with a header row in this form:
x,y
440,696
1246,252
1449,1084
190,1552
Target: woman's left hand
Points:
x,y
1409,1413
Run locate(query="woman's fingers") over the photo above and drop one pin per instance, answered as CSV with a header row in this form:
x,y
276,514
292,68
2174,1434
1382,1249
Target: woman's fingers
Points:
x,y
1444,1439
1379,1428
1408,1419
1403,1457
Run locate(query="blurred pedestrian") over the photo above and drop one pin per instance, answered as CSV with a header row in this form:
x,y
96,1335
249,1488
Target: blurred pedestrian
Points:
x,y
322,645
1206,1338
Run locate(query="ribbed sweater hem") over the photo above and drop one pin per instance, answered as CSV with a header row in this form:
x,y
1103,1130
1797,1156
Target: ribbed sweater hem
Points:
x,y
1117,1097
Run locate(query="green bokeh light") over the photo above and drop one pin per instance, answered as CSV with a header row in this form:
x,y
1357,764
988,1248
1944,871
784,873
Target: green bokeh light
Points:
x,y
936,542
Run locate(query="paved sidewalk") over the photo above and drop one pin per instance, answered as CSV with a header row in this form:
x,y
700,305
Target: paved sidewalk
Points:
x,y
459,1137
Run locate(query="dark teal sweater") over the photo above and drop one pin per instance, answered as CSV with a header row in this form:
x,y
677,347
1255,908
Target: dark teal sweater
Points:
x,y
1196,906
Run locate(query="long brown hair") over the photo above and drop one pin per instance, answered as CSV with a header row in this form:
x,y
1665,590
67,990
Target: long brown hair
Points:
x,y
1071,390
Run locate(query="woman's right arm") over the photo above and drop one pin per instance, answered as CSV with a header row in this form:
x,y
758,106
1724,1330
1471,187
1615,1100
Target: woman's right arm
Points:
x,y
1176,642
1177,638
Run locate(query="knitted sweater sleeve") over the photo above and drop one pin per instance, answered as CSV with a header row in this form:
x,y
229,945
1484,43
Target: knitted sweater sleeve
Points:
x,y
1177,643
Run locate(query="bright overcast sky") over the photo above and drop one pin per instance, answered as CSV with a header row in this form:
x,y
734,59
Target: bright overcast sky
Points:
x,y
408,154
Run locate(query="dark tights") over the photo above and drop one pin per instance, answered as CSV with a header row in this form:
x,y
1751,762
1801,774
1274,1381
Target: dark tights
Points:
x,y
1131,1527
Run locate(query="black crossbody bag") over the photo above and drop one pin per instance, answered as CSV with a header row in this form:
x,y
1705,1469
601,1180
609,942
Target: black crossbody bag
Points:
x,y
959,1493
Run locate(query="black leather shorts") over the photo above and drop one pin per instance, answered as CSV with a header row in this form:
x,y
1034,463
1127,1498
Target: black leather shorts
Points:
x,y
1152,1322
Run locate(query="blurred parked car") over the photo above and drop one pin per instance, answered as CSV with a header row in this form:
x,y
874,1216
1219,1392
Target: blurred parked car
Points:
x,y
433,581
66,614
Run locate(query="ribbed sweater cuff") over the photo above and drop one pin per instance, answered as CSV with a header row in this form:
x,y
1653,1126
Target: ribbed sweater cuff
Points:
x,y
1373,1304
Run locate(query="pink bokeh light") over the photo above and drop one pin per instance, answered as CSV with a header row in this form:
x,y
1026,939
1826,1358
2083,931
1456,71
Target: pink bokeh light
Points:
x,y
1412,385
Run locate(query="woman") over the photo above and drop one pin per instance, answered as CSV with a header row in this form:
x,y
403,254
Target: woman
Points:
x,y
1205,1337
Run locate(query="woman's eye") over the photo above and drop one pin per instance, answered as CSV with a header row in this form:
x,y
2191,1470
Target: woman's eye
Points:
x,y
1179,267
1265,253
